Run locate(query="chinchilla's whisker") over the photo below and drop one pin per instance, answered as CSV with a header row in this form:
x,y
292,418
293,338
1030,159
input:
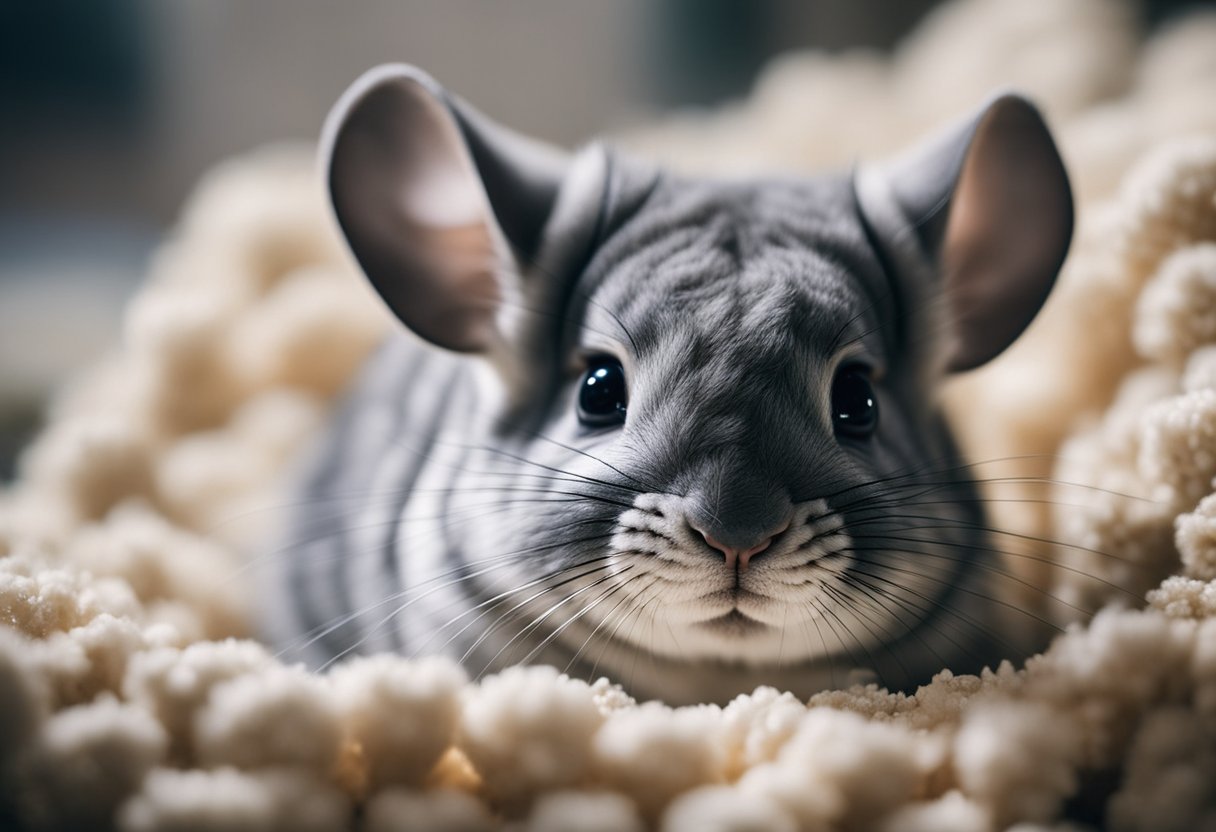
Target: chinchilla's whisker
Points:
x,y
647,607
894,491
633,605
632,613
616,318
942,523
922,612
649,487
818,605
967,501
541,579
834,346
927,616
628,599
829,610
437,442
465,513
541,312
547,496
555,475
1051,481
785,620
882,546
922,616
289,547
915,474
897,494
1055,563
844,604
515,490
928,471
823,645
984,596
430,591
948,585
537,621
380,496
583,612
487,606
529,600
1000,573
464,572
377,627
861,614
607,617
518,458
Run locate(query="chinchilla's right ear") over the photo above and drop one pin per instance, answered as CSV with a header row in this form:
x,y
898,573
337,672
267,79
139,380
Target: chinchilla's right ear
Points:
x,y
443,209
974,224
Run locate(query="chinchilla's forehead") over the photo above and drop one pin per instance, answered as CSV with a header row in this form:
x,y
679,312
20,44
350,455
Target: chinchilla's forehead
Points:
x,y
784,256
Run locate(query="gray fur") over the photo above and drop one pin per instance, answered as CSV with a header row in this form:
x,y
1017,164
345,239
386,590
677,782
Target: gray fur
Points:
x,y
459,506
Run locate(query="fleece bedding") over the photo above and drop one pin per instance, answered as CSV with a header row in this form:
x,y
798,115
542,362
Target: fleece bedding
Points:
x,y
132,695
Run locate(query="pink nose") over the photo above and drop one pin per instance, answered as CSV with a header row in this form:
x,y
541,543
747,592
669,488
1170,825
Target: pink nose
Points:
x,y
740,557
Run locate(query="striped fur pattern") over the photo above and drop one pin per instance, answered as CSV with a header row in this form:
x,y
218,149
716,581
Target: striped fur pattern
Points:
x,y
460,506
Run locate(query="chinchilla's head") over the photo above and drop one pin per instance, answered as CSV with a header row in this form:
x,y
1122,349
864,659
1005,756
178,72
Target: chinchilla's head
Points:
x,y
718,399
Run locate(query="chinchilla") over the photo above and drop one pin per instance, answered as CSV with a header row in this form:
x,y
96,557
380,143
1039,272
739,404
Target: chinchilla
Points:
x,y
681,432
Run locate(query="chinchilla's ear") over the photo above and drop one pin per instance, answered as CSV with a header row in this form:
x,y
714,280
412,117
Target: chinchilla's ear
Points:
x,y
444,210
975,223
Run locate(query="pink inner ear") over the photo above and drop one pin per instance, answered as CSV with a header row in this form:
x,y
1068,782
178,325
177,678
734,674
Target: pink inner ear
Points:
x,y
1008,231
438,185
462,260
411,203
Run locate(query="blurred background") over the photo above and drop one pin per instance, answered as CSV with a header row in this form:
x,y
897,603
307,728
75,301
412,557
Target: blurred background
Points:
x,y
111,109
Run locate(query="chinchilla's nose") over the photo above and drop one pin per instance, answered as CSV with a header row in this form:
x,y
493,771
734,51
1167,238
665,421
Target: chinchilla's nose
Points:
x,y
739,557
740,522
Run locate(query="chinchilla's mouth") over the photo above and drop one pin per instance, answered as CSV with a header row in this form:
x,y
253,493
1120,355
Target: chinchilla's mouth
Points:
x,y
733,623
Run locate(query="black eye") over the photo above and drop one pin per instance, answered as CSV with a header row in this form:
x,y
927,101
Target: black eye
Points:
x,y
602,396
854,405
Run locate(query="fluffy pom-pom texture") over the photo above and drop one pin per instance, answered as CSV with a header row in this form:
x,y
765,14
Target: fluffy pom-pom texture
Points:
x,y
132,698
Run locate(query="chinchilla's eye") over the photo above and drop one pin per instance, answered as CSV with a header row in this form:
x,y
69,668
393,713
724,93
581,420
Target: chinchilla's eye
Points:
x,y
854,404
602,396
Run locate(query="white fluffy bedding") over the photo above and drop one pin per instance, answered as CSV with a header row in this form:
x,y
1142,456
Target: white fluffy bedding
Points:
x,y
128,697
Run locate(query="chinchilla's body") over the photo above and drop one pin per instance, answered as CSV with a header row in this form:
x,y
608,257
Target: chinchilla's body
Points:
x,y
681,433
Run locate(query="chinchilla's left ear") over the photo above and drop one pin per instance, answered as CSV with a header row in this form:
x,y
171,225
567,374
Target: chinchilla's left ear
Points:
x,y
975,224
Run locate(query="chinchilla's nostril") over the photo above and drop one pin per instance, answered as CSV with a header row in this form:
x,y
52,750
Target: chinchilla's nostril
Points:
x,y
740,556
